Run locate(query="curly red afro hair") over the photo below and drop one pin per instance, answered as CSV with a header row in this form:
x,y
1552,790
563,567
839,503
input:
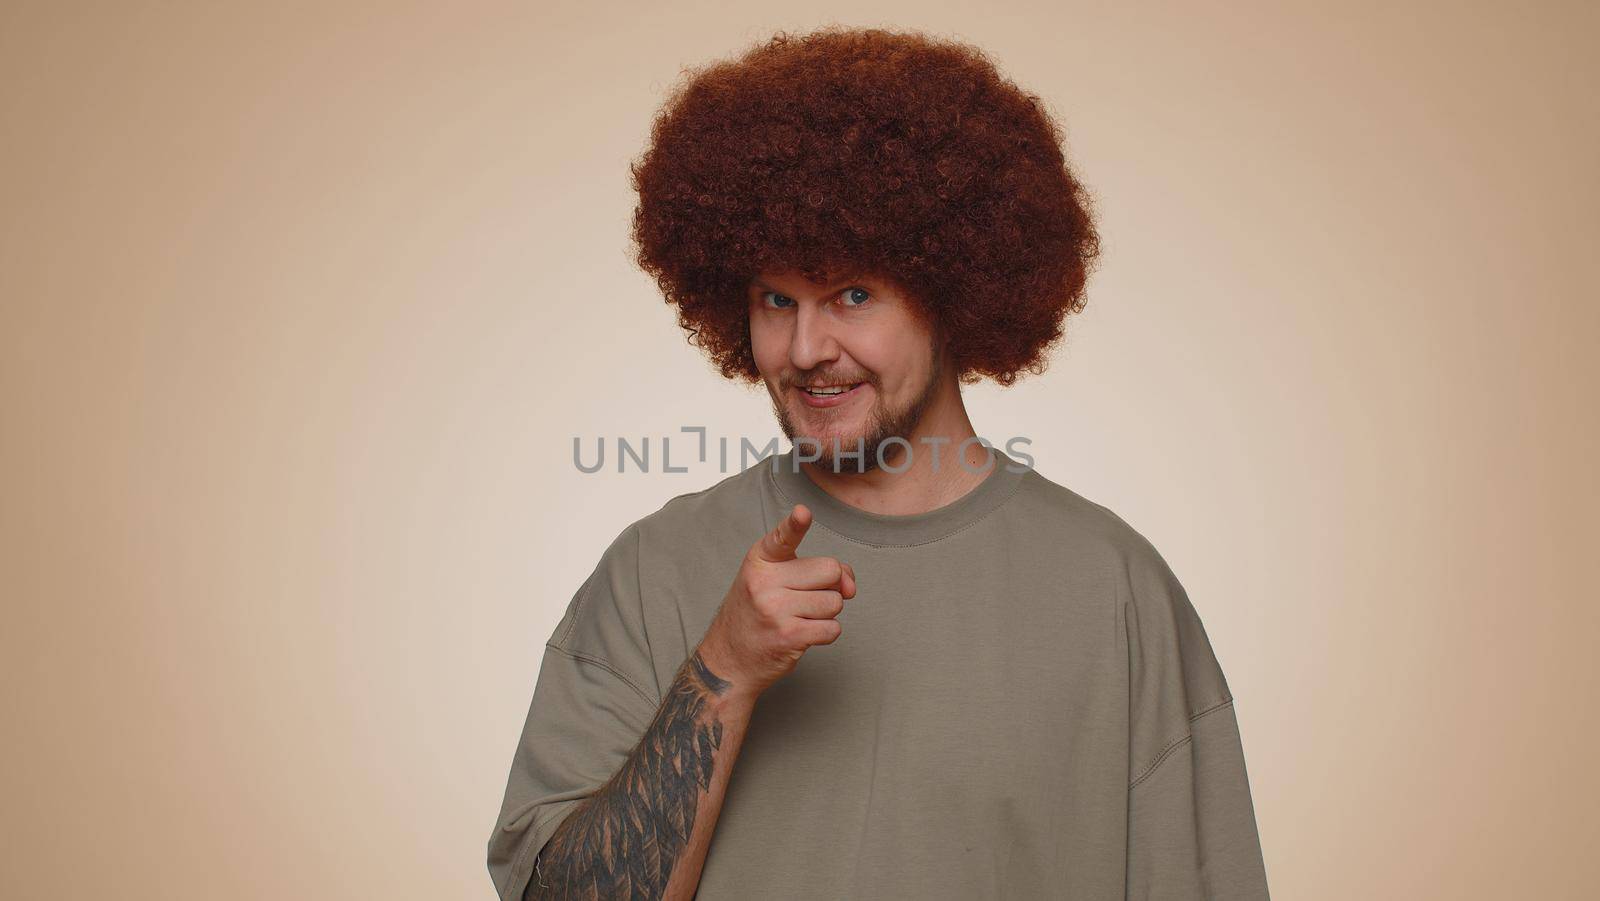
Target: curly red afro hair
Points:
x,y
866,151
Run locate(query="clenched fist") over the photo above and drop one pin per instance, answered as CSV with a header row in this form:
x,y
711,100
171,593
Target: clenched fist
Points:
x,y
779,605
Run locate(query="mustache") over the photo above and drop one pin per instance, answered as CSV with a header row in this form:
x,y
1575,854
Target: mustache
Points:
x,y
828,378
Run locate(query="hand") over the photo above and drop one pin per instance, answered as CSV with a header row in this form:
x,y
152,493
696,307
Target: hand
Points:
x,y
779,605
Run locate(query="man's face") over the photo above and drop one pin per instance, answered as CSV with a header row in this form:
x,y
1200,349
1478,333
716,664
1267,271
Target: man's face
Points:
x,y
871,364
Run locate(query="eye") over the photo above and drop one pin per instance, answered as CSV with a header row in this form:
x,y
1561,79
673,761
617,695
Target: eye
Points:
x,y
855,297
775,300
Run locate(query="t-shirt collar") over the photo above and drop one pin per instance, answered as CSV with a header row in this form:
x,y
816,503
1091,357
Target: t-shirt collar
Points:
x,y
885,530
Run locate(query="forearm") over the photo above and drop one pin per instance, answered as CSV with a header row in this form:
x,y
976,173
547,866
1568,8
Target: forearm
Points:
x,y
646,832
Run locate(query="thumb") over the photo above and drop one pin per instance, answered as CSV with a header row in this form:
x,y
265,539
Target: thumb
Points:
x,y
780,544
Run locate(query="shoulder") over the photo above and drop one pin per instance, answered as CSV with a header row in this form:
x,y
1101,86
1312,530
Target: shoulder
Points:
x,y
606,617
728,511
605,622
1159,621
1070,521
1174,676
688,517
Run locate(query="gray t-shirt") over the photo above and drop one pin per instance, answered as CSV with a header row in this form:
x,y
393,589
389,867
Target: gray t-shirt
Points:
x,y
1023,704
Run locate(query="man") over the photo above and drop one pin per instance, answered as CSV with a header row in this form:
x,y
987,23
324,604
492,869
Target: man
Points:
x,y
891,662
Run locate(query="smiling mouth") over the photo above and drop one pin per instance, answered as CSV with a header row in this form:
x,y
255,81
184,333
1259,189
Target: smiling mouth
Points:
x,y
830,390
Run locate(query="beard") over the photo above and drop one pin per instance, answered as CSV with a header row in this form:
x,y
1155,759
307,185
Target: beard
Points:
x,y
838,453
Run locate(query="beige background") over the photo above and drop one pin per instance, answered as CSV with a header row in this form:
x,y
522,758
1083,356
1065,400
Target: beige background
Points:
x,y
303,306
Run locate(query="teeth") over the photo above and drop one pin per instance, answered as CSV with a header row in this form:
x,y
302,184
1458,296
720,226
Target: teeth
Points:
x,y
824,392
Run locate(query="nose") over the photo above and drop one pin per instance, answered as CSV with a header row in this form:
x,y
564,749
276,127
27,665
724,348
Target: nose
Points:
x,y
813,342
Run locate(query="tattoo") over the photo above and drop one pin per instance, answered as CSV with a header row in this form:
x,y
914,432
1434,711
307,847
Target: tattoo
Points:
x,y
624,841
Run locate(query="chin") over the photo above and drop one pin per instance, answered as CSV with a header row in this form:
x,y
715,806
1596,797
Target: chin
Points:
x,y
847,461
848,439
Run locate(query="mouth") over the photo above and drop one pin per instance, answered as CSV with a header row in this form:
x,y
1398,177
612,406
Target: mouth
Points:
x,y
829,395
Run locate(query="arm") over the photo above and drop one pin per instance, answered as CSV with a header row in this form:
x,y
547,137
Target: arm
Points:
x,y
1191,819
646,832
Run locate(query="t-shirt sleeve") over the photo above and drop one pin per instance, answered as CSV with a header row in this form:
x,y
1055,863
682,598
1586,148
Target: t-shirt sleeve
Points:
x,y
595,695
1191,821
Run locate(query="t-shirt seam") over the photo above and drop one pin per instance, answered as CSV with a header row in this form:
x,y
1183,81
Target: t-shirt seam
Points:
x,y
1174,745
577,612
1016,483
587,588
605,665
638,580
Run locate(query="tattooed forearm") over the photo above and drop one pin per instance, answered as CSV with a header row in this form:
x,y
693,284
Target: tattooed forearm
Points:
x,y
624,840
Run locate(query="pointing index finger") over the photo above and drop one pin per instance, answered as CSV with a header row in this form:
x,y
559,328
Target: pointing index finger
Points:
x,y
780,544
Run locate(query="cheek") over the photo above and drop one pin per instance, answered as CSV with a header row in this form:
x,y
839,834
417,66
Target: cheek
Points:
x,y
766,348
894,361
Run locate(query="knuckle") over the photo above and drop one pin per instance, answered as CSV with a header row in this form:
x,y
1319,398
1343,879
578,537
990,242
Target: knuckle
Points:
x,y
768,604
749,581
789,635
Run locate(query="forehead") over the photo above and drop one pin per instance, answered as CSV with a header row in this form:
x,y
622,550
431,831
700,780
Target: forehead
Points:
x,y
793,280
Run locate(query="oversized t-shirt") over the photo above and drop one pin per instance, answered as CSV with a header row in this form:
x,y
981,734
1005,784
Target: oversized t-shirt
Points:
x,y
1023,703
